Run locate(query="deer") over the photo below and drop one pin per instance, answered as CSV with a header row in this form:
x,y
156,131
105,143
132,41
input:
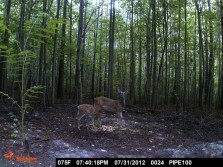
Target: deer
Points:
x,y
107,104
86,109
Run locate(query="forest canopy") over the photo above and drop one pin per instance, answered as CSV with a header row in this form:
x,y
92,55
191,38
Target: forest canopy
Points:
x,y
162,52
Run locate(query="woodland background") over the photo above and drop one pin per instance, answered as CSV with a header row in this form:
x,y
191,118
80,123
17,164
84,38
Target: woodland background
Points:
x,y
164,53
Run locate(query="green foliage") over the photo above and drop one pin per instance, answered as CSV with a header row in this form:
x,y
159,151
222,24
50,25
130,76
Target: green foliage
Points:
x,y
3,47
3,27
20,61
30,95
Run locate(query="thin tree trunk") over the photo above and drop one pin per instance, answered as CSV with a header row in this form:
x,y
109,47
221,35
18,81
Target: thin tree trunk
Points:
x,y
70,54
95,52
43,82
201,56
185,58
166,88
79,51
221,103
83,68
154,90
54,55
140,59
124,52
160,71
42,46
21,45
148,59
209,92
3,59
111,48
193,93
100,54
178,85
60,89
132,59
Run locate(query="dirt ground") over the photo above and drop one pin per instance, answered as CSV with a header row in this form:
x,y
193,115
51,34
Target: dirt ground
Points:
x,y
52,133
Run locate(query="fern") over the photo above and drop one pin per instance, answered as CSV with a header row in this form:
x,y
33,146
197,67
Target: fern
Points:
x,y
28,97
20,62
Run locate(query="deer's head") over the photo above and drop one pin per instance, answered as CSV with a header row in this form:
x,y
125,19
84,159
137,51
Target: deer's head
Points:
x,y
122,95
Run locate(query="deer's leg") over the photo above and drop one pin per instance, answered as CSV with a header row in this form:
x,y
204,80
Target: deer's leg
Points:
x,y
120,118
96,117
93,120
99,119
78,120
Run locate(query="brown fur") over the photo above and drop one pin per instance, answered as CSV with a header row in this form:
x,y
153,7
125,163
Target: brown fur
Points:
x,y
85,109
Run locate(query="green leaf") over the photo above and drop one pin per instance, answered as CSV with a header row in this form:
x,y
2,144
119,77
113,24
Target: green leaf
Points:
x,y
37,40
3,47
48,31
44,36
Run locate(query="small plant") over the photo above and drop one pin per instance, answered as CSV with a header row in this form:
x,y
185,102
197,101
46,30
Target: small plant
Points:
x,y
26,99
20,61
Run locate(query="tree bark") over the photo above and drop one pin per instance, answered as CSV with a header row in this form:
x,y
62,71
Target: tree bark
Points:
x,y
185,98
140,59
148,57
79,51
178,79
95,52
54,55
201,56
60,89
132,59
111,48
221,103
154,88
70,54
3,58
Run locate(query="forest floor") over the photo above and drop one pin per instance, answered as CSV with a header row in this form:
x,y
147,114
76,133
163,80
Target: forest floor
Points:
x,y
52,133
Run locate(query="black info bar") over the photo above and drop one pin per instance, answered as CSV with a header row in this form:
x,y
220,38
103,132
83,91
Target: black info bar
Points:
x,y
60,162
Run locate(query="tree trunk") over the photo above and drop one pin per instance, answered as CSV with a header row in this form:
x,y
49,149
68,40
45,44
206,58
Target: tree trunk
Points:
x,y
140,59
60,89
154,89
100,85
111,49
148,59
201,56
79,51
166,88
178,79
210,83
3,58
70,54
185,58
132,59
21,46
95,52
221,103
54,55
42,46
